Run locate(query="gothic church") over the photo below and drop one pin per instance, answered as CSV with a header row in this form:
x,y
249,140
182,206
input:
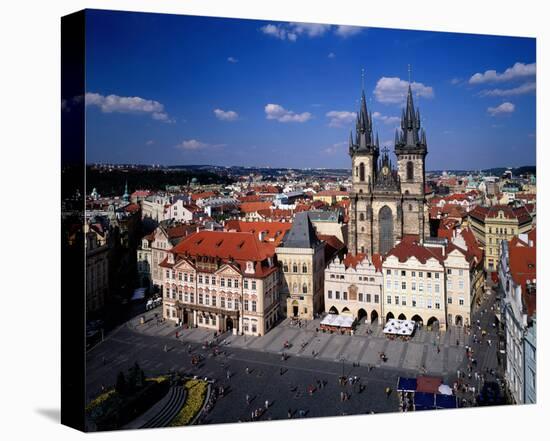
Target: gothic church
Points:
x,y
387,202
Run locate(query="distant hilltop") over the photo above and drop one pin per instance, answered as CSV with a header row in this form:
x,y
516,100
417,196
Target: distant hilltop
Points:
x,y
496,171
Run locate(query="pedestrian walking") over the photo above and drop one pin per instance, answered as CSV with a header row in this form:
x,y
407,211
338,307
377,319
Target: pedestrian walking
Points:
x,y
247,399
266,404
247,370
289,413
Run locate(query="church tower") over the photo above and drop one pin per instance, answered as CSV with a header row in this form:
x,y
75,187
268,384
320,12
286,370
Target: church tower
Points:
x,y
411,150
364,153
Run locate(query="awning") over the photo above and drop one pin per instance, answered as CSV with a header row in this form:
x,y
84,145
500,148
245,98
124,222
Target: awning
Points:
x,y
428,384
406,384
446,402
424,401
340,321
399,327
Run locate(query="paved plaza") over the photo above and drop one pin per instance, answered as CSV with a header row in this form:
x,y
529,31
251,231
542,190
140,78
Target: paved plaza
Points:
x,y
315,358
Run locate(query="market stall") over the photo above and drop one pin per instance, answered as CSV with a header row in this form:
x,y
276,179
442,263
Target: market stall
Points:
x,y
337,323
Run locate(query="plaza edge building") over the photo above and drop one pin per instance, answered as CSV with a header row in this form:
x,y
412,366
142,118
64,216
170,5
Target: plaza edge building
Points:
x,y
387,203
223,281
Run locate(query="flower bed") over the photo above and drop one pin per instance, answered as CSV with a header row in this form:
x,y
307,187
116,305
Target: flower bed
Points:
x,y
111,410
196,394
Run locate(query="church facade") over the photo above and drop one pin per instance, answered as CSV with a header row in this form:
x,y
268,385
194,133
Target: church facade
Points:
x,y
387,202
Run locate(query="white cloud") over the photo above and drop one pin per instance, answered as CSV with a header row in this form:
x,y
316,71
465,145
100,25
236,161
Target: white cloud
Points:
x,y
193,144
309,29
335,148
386,119
456,81
394,90
291,31
279,113
520,90
232,60
331,55
340,118
150,142
518,70
504,108
127,104
226,115
347,31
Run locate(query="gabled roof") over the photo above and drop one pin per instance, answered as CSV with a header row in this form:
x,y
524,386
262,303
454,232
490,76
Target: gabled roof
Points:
x,y
302,234
409,247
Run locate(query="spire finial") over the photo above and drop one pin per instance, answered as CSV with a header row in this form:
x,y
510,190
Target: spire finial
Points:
x,y
409,69
363,79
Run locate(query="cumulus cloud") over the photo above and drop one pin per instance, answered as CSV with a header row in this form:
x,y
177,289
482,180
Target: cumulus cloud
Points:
x,y
518,70
347,31
232,60
335,148
392,90
340,118
456,81
127,104
386,119
291,31
520,90
503,109
193,144
226,115
279,113
331,55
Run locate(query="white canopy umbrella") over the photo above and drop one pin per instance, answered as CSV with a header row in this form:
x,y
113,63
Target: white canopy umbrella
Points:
x,y
445,390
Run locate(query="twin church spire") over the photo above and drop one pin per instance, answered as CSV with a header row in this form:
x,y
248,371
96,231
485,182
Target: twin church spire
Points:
x,y
409,136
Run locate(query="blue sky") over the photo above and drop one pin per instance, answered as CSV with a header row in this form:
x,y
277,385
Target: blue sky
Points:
x,y
168,89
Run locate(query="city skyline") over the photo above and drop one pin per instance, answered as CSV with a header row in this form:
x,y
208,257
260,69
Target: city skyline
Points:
x,y
258,93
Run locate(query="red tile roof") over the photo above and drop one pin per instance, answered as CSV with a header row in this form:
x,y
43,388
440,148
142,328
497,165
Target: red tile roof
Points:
x,y
520,213
523,268
240,246
273,231
253,207
409,247
352,260
203,195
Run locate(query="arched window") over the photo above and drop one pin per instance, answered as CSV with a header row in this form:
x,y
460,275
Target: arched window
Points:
x,y
285,268
362,172
294,268
385,219
410,171
304,268
410,207
361,216
304,288
356,171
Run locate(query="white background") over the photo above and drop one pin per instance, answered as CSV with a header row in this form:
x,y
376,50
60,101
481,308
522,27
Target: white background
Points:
x,y
29,217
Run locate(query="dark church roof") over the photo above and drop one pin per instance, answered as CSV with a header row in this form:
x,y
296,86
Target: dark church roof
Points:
x,y
302,234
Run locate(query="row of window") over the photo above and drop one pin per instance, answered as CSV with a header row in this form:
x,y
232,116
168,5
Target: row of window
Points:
x,y
361,296
294,268
211,280
361,278
207,300
429,302
501,231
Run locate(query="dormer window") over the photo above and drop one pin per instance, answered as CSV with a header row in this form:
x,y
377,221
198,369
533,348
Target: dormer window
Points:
x,y
170,258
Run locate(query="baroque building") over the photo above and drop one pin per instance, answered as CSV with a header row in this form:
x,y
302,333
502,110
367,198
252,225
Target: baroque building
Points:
x,y
387,202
